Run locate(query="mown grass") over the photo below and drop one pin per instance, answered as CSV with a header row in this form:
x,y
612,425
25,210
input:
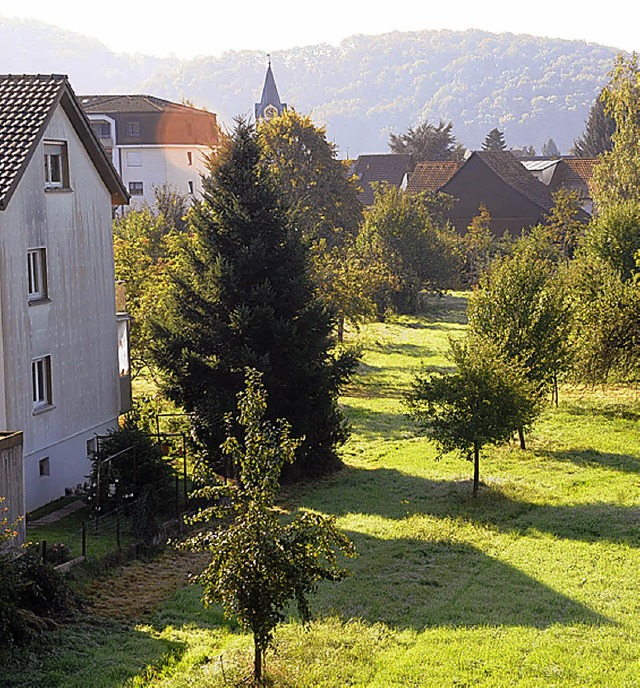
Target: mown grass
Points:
x,y
534,583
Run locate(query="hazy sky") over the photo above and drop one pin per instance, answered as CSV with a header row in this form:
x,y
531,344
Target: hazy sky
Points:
x,y
193,27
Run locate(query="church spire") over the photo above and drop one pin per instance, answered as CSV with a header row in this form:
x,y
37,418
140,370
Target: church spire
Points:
x,y
270,104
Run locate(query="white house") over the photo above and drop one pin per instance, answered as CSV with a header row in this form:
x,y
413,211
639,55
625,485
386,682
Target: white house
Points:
x,y
62,380
153,142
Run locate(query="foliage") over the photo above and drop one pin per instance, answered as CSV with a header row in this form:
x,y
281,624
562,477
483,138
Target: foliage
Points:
x,y
258,565
564,223
427,142
242,296
420,255
146,242
494,141
128,466
30,591
521,307
550,149
599,129
321,199
485,401
479,247
617,176
354,279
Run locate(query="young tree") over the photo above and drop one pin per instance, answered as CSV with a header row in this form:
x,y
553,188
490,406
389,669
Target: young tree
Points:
x,y
494,141
521,308
241,297
483,402
259,565
420,254
322,201
479,247
565,224
617,177
427,142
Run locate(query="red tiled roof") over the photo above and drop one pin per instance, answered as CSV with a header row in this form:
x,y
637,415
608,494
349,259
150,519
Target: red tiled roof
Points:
x,y
431,175
574,171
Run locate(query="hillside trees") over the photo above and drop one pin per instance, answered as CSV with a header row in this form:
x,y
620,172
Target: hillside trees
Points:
x,y
427,142
259,565
242,296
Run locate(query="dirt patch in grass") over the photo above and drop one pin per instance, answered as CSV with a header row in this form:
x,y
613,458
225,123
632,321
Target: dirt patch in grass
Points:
x,y
135,590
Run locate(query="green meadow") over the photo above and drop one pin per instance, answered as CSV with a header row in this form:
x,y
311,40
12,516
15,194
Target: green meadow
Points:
x,y
534,583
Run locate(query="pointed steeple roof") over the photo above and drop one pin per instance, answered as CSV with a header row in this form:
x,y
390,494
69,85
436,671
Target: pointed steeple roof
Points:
x,y
270,102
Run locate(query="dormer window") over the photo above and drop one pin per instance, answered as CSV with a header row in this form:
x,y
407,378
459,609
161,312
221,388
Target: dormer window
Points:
x,y
56,167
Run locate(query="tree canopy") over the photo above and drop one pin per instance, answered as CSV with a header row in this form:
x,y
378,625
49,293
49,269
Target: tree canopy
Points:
x,y
427,142
242,296
494,141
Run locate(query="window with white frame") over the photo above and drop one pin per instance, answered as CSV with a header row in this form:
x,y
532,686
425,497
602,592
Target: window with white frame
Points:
x,y
136,188
37,274
41,382
56,168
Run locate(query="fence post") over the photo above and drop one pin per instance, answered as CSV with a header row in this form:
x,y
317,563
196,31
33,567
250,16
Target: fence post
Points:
x,y
44,551
118,528
84,539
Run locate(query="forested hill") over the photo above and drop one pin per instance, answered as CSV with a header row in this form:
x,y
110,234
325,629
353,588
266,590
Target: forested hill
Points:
x,y
531,88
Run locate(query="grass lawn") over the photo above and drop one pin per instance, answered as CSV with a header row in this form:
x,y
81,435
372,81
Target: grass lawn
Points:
x,y
534,583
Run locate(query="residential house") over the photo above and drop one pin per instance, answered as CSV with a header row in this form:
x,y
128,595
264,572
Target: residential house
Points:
x,y
153,142
63,379
381,168
515,199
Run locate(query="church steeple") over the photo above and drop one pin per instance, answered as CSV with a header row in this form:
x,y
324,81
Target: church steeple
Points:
x,y
269,104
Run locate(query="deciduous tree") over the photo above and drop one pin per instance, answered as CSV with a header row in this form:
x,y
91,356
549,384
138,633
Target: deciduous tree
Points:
x,y
258,564
427,142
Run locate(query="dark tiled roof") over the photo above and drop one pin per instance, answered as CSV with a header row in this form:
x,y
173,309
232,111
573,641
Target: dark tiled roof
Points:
x,y
129,103
506,166
26,104
431,175
382,167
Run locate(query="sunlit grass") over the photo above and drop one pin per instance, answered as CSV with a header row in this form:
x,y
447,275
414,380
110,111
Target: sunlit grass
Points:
x,y
534,583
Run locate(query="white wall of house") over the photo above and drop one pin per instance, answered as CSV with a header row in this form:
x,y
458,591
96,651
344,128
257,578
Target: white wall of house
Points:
x,y
75,326
153,166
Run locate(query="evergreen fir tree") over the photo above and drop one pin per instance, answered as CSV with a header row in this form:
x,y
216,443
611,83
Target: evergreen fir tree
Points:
x,y
597,134
494,141
242,297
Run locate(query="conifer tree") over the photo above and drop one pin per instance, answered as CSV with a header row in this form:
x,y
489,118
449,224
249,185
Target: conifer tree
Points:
x,y
241,297
494,141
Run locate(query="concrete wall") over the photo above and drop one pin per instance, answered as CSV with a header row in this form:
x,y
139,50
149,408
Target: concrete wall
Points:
x,y
76,326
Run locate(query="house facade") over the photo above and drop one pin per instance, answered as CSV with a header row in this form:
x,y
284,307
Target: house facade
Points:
x,y
153,142
63,379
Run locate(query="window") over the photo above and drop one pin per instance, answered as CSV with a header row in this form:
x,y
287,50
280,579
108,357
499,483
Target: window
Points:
x,y
190,184
37,274
44,467
101,129
134,159
92,447
41,382
133,128
189,158
136,188
56,170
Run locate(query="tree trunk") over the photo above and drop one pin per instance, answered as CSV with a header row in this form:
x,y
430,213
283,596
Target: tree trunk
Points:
x,y
476,468
340,329
556,394
521,438
257,662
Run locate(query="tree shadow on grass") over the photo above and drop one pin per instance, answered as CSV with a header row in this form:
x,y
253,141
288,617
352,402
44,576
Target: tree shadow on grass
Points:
x,y
391,494
606,411
70,654
410,583
591,458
